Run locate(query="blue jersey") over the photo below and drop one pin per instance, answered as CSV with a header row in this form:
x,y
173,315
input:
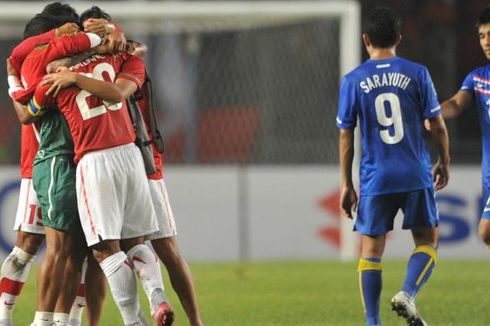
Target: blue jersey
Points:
x,y
477,83
391,98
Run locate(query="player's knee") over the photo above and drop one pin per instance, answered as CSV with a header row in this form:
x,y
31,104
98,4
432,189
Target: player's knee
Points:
x,y
168,251
30,242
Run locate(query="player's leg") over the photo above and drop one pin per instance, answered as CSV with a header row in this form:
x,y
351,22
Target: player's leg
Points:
x,y
420,215
140,220
147,267
76,310
16,266
120,277
15,270
63,252
370,277
90,294
101,210
95,291
374,219
484,226
59,276
180,276
165,244
72,271
422,261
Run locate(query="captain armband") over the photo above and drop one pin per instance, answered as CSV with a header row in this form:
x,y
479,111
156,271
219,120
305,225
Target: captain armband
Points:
x,y
34,108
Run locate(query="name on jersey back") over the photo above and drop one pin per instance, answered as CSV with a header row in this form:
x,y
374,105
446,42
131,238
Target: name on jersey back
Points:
x,y
385,79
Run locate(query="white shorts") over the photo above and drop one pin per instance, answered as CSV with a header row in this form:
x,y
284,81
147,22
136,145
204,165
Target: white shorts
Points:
x,y
29,216
165,217
113,195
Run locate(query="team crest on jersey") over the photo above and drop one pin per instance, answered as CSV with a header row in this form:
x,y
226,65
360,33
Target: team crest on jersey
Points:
x,y
40,153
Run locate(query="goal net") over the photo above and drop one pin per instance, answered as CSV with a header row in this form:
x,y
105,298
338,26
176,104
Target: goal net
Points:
x,y
236,82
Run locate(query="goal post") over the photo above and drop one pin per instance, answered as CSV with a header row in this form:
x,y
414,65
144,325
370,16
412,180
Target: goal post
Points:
x,y
293,79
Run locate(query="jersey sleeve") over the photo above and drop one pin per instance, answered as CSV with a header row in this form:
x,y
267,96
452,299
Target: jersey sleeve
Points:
x,y
68,45
20,52
40,101
347,109
468,83
36,62
133,69
430,102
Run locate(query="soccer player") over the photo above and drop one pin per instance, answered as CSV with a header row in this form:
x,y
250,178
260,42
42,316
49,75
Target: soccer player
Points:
x,y
476,90
164,241
40,23
104,133
391,97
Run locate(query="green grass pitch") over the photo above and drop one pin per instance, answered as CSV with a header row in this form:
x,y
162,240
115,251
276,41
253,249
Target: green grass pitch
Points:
x,y
312,293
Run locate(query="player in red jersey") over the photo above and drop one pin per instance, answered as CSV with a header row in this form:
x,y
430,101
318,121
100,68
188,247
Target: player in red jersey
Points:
x,y
28,223
55,48
103,137
164,240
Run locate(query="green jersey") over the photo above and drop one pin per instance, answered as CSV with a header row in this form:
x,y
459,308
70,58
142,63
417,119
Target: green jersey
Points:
x,y
54,137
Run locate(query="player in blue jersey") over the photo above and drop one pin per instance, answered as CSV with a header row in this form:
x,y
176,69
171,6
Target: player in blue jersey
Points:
x,y
476,89
391,97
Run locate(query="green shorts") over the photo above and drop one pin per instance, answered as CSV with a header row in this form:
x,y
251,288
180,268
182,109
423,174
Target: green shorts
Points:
x,y
54,183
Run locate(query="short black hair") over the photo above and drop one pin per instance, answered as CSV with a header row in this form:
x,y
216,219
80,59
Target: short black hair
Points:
x,y
94,12
39,24
62,13
484,17
383,27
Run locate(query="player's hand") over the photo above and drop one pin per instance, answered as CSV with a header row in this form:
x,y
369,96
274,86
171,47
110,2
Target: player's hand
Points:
x,y
427,124
441,175
115,42
98,26
348,201
68,28
59,80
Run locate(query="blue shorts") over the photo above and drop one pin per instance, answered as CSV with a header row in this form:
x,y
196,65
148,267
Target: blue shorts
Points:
x,y
485,212
377,213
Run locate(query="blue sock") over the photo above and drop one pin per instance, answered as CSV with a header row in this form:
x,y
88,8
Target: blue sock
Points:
x,y
370,286
419,269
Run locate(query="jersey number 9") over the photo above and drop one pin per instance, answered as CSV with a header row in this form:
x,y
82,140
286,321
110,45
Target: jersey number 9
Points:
x,y
395,120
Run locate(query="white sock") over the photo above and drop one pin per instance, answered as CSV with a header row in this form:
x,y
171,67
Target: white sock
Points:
x,y
80,302
147,267
15,269
122,283
43,318
61,319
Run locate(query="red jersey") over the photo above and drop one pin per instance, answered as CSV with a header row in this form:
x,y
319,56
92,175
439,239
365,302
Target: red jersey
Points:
x,y
144,105
28,149
34,66
95,124
29,140
20,52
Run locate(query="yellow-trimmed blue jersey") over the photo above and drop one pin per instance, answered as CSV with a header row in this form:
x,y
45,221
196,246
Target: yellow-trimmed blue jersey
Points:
x,y
391,98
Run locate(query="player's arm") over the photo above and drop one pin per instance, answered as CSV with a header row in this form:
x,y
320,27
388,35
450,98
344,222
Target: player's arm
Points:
x,y
68,45
348,196
439,135
23,114
107,91
136,48
453,106
15,85
20,52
